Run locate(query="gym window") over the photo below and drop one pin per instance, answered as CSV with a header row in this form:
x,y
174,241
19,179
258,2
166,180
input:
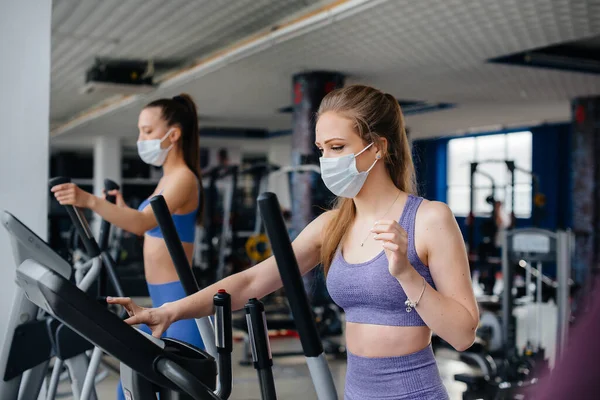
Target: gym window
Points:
x,y
462,152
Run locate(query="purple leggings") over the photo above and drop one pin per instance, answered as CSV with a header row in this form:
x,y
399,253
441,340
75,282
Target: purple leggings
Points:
x,y
413,376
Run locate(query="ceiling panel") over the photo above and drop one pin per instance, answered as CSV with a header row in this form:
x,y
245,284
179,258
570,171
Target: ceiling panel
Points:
x,y
423,50
177,30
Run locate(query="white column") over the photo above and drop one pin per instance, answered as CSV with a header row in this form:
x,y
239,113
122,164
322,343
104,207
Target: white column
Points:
x,y
280,153
234,153
107,161
107,165
24,112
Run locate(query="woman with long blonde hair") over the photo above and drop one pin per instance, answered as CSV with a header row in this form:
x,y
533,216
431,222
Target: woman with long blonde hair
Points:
x,y
396,263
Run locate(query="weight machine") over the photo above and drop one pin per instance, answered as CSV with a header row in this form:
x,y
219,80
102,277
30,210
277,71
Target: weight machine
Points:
x,y
516,369
538,198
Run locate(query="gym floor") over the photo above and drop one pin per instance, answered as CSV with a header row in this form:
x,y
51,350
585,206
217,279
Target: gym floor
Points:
x,y
292,379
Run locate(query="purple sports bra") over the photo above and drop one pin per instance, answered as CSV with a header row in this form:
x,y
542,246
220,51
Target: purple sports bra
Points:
x,y
367,292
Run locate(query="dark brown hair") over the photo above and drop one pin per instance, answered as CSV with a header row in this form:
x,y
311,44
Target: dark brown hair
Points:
x,y
375,115
181,111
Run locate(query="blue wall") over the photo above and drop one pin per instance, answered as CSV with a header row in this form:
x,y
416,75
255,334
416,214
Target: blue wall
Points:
x,y
550,161
430,159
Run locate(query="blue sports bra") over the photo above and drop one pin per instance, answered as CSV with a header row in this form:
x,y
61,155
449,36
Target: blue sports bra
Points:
x,y
185,224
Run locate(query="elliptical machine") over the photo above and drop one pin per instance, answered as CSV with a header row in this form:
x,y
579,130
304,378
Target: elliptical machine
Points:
x,y
34,337
298,299
255,316
169,367
326,314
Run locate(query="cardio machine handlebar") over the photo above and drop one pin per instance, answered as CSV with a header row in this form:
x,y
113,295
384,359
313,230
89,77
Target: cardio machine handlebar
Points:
x,y
169,232
182,266
261,349
91,246
79,221
105,225
224,342
109,186
108,272
290,273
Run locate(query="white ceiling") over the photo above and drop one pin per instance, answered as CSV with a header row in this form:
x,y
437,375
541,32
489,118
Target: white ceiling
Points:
x,y
424,50
174,30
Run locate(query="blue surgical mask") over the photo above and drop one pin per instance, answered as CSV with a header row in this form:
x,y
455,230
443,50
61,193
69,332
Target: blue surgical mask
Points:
x,y
341,175
150,151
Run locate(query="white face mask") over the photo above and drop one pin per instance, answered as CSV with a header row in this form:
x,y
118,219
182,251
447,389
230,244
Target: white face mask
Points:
x,y
341,175
150,151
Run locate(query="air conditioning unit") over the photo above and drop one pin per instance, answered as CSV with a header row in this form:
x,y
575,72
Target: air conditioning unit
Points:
x,y
119,77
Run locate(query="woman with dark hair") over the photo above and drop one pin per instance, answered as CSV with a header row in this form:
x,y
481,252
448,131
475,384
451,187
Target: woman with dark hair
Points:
x,y
395,262
168,138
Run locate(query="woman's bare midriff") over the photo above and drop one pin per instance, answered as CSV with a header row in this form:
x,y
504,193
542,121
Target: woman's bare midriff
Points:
x,y
369,340
158,265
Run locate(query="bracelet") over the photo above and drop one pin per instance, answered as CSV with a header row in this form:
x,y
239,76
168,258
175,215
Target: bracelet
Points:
x,y
409,304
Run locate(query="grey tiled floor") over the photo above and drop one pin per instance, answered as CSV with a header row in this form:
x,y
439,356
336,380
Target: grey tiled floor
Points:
x,y
292,379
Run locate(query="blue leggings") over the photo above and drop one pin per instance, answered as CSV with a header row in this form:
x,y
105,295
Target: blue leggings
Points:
x,y
184,330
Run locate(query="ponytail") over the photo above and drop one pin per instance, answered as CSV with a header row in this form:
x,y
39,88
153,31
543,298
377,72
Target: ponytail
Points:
x,y
181,110
401,167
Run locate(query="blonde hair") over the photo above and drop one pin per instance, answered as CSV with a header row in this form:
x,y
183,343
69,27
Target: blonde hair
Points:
x,y
375,115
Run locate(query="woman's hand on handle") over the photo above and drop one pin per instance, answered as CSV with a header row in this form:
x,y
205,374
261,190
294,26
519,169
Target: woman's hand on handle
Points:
x,y
157,319
73,195
257,281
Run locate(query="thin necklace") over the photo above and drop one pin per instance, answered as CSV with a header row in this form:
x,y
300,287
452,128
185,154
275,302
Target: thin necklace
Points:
x,y
388,210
